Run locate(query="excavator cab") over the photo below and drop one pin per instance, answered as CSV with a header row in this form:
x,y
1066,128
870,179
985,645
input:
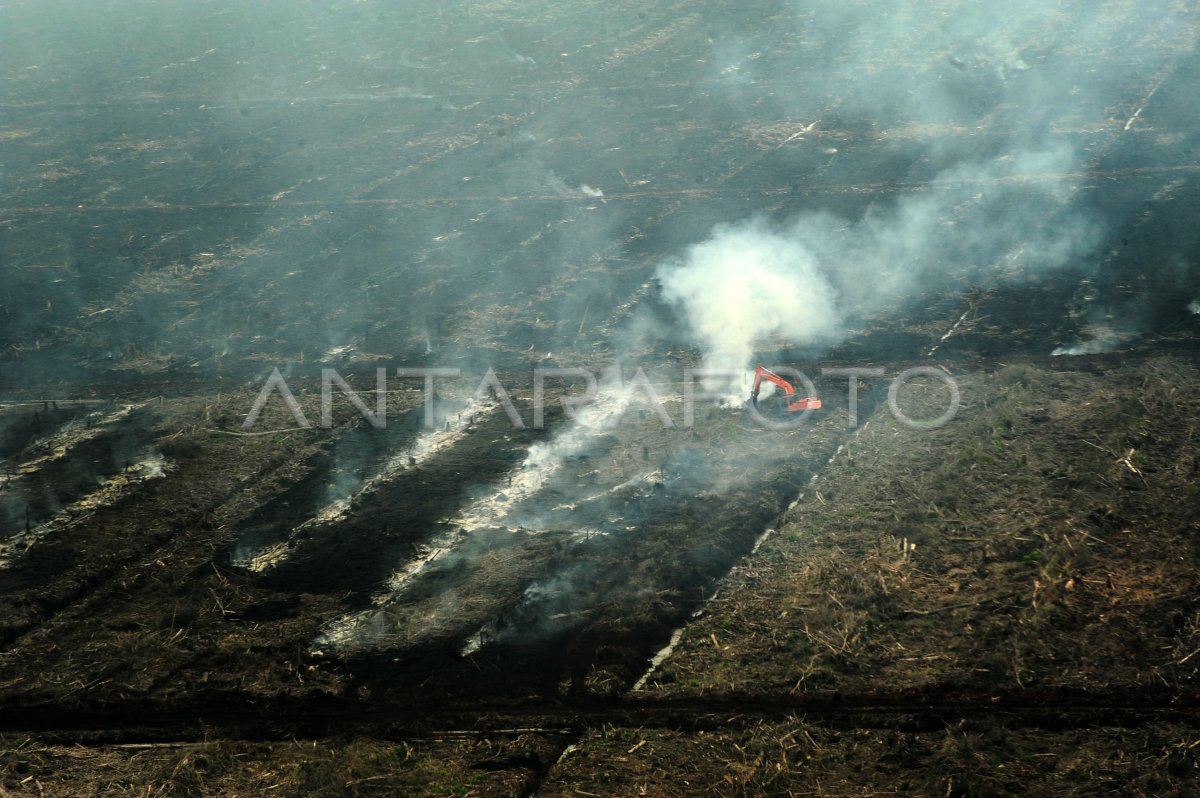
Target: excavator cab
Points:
x,y
795,404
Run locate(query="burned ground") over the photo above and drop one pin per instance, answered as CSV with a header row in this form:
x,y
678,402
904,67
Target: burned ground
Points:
x,y
1002,605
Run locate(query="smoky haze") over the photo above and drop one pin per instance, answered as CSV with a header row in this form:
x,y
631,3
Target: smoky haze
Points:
x,y
202,188
997,208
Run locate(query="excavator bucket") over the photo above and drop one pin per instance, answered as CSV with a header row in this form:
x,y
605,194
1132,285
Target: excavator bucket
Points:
x,y
808,403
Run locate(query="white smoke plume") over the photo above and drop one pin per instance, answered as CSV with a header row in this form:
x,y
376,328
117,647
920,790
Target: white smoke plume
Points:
x,y
556,185
747,282
1096,347
1100,345
806,279
1007,209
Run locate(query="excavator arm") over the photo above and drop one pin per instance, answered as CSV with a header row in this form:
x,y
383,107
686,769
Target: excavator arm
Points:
x,y
794,403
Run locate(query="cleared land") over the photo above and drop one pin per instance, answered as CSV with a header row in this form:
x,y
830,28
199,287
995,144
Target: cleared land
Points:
x,y
1003,605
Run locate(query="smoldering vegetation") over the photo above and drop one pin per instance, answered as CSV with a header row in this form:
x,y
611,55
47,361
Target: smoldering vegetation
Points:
x,y
80,459
209,192
374,521
22,424
1007,212
622,538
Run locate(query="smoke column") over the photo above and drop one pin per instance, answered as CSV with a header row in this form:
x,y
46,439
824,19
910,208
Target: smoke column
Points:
x,y
748,281
1005,203
806,278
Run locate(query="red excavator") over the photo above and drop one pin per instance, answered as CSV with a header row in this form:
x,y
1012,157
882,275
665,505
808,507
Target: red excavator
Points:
x,y
794,404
